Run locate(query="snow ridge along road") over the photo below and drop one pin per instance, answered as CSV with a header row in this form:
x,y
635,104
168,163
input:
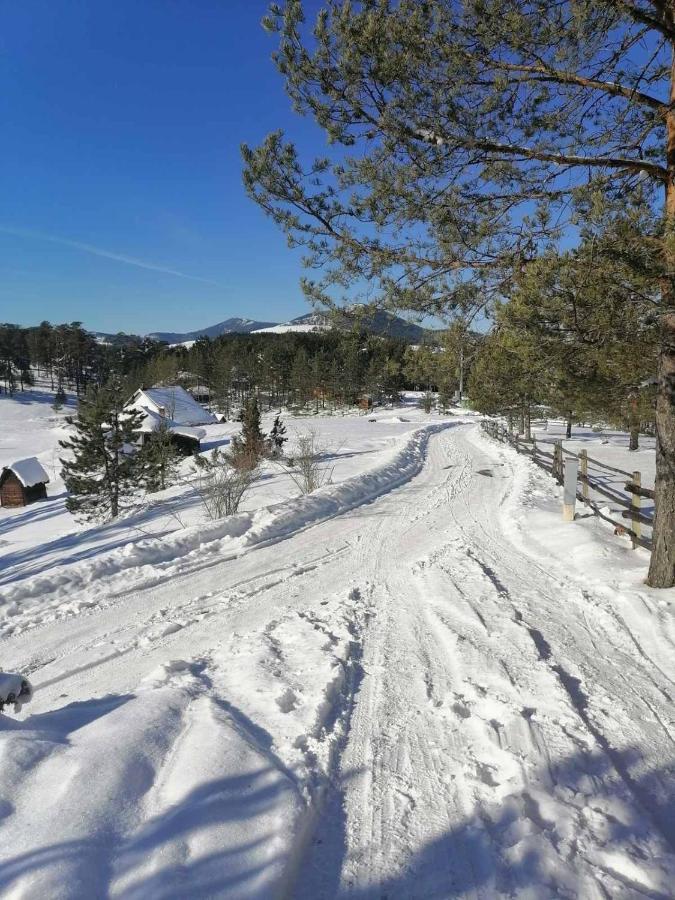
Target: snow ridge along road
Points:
x,y
143,562
407,699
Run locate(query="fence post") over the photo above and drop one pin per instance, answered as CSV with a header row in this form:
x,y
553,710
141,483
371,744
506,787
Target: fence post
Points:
x,y
558,461
570,488
636,505
583,461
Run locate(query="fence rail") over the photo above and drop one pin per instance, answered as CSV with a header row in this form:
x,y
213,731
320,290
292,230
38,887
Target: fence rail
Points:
x,y
554,463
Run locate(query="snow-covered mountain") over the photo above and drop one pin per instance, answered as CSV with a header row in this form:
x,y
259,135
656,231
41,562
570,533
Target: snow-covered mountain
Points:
x,y
234,325
378,321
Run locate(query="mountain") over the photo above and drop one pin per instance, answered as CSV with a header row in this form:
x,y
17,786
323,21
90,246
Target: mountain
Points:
x,y
229,326
377,321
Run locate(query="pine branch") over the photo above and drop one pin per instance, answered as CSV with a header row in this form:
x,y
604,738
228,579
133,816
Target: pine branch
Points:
x,y
550,74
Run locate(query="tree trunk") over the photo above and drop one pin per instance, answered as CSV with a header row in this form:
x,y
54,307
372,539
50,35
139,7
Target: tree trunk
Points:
x,y
634,443
633,422
662,563
568,430
528,423
521,430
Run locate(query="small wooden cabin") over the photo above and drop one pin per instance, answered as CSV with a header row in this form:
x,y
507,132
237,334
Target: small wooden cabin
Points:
x,y
24,482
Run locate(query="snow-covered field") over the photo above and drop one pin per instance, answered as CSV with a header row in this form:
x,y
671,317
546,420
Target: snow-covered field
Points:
x,y
416,683
42,537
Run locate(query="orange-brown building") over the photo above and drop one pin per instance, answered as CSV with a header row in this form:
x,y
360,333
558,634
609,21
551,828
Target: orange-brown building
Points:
x,y
24,482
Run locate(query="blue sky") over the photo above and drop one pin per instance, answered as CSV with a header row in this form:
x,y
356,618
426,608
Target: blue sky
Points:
x,y
122,204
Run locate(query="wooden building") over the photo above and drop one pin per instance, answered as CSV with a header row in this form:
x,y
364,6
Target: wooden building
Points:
x,y
24,482
176,409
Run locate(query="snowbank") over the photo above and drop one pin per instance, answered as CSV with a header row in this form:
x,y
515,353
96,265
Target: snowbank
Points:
x,y
143,562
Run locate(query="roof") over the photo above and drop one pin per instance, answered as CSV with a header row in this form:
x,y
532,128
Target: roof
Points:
x,y
28,471
152,421
178,405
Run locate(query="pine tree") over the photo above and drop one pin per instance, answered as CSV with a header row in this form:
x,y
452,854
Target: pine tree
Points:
x,y
465,138
103,473
159,459
59,399
249,447
278,436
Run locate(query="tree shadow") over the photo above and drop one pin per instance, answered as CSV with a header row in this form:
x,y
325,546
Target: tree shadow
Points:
x,y
517,847
34,395
64,721
214,443
77,546
239,835
39,511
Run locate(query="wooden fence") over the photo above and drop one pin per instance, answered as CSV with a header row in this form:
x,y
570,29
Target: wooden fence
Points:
x,y
591,473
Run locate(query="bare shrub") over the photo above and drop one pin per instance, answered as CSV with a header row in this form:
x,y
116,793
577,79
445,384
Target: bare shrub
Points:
x,y
305,467
221,485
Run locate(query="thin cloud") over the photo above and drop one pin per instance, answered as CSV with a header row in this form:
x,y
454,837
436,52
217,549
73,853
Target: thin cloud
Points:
x,y
99,251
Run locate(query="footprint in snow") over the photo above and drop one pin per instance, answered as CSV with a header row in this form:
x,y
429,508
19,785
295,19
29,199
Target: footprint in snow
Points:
x,y
288,701
462,710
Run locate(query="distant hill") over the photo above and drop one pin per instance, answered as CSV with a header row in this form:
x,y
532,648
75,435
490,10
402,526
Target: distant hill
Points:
x,y
376,321
229,326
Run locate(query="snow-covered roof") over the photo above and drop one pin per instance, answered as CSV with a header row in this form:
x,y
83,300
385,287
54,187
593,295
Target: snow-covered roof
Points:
x,y
152,420
29,472
175,402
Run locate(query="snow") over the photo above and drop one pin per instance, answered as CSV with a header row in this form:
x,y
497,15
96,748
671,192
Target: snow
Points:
x,y
290,328
416,683
29,471
176,402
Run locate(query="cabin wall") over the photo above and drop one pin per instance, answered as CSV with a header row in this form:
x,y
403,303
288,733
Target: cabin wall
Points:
x,y
12,492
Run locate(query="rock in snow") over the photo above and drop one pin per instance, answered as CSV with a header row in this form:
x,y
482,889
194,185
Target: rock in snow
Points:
x,y
14,689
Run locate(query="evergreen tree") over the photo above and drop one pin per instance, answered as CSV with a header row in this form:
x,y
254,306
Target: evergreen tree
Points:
x,y
278,436
249,447
103,473
473,134
159,459
59,400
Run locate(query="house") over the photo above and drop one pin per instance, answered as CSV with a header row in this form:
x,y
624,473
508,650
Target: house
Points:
x,y
200,392
171,402
24,482
185,438
175,407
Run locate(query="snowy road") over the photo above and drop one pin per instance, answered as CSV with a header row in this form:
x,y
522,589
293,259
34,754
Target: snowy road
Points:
x,y
402,701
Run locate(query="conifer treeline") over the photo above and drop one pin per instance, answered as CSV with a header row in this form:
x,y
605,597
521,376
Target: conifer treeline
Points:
x,y
320,369
67,355
578,335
